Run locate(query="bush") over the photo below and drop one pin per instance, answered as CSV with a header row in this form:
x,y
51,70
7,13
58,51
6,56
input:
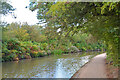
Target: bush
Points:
x,y
28,54
22,56
84,49
44,45
34,47
5,50
34,54
89,47
13,51
8,57
28,50
23,50
40,54
13,44
73,49
27,57
57,52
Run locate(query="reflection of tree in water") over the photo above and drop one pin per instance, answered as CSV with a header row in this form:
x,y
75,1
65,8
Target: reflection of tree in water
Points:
x,y
48,67
70,65
27,68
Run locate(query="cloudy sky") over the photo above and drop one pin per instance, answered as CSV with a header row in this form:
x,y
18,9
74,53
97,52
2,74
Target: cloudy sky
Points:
x,y
23,14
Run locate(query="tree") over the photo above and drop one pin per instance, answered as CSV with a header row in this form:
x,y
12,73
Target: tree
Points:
x,y
99,19
6,8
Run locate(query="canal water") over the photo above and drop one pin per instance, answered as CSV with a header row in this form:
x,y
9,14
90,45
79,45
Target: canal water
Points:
x,y
63,66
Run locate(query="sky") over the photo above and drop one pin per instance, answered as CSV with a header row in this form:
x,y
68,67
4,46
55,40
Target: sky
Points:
x,y
23,14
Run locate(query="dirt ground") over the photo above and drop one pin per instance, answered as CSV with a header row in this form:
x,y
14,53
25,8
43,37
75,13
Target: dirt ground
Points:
x,y
112,71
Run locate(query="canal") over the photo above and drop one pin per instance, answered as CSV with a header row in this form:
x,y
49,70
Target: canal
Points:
x,y
62,66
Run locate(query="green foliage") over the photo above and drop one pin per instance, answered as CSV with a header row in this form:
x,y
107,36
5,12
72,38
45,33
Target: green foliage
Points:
x,y
43,46
73,49
69,18
7,58
84,49
6,8
100,19
40,54
57,52
28,54
33,54
22,56
34,47
14,50
13,44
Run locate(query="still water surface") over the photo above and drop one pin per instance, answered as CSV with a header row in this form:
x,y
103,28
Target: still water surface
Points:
x,y
63,66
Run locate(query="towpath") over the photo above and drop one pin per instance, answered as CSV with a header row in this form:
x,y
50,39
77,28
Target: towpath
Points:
x,y
93,69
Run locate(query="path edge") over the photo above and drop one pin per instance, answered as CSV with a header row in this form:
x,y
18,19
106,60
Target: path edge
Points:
x,y
76,74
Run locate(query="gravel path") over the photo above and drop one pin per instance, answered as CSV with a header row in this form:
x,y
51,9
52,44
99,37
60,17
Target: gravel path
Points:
x,y
93,69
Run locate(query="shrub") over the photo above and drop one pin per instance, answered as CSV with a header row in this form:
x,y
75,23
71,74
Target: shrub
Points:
x,y
62,47
5,50
22,56
14,55
44,45
9,57
73,49
84,49
27,50
23,50
89,47
29,43
34,54
3,54
13,51
57,52
28,54
40,54
13,44
34,47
